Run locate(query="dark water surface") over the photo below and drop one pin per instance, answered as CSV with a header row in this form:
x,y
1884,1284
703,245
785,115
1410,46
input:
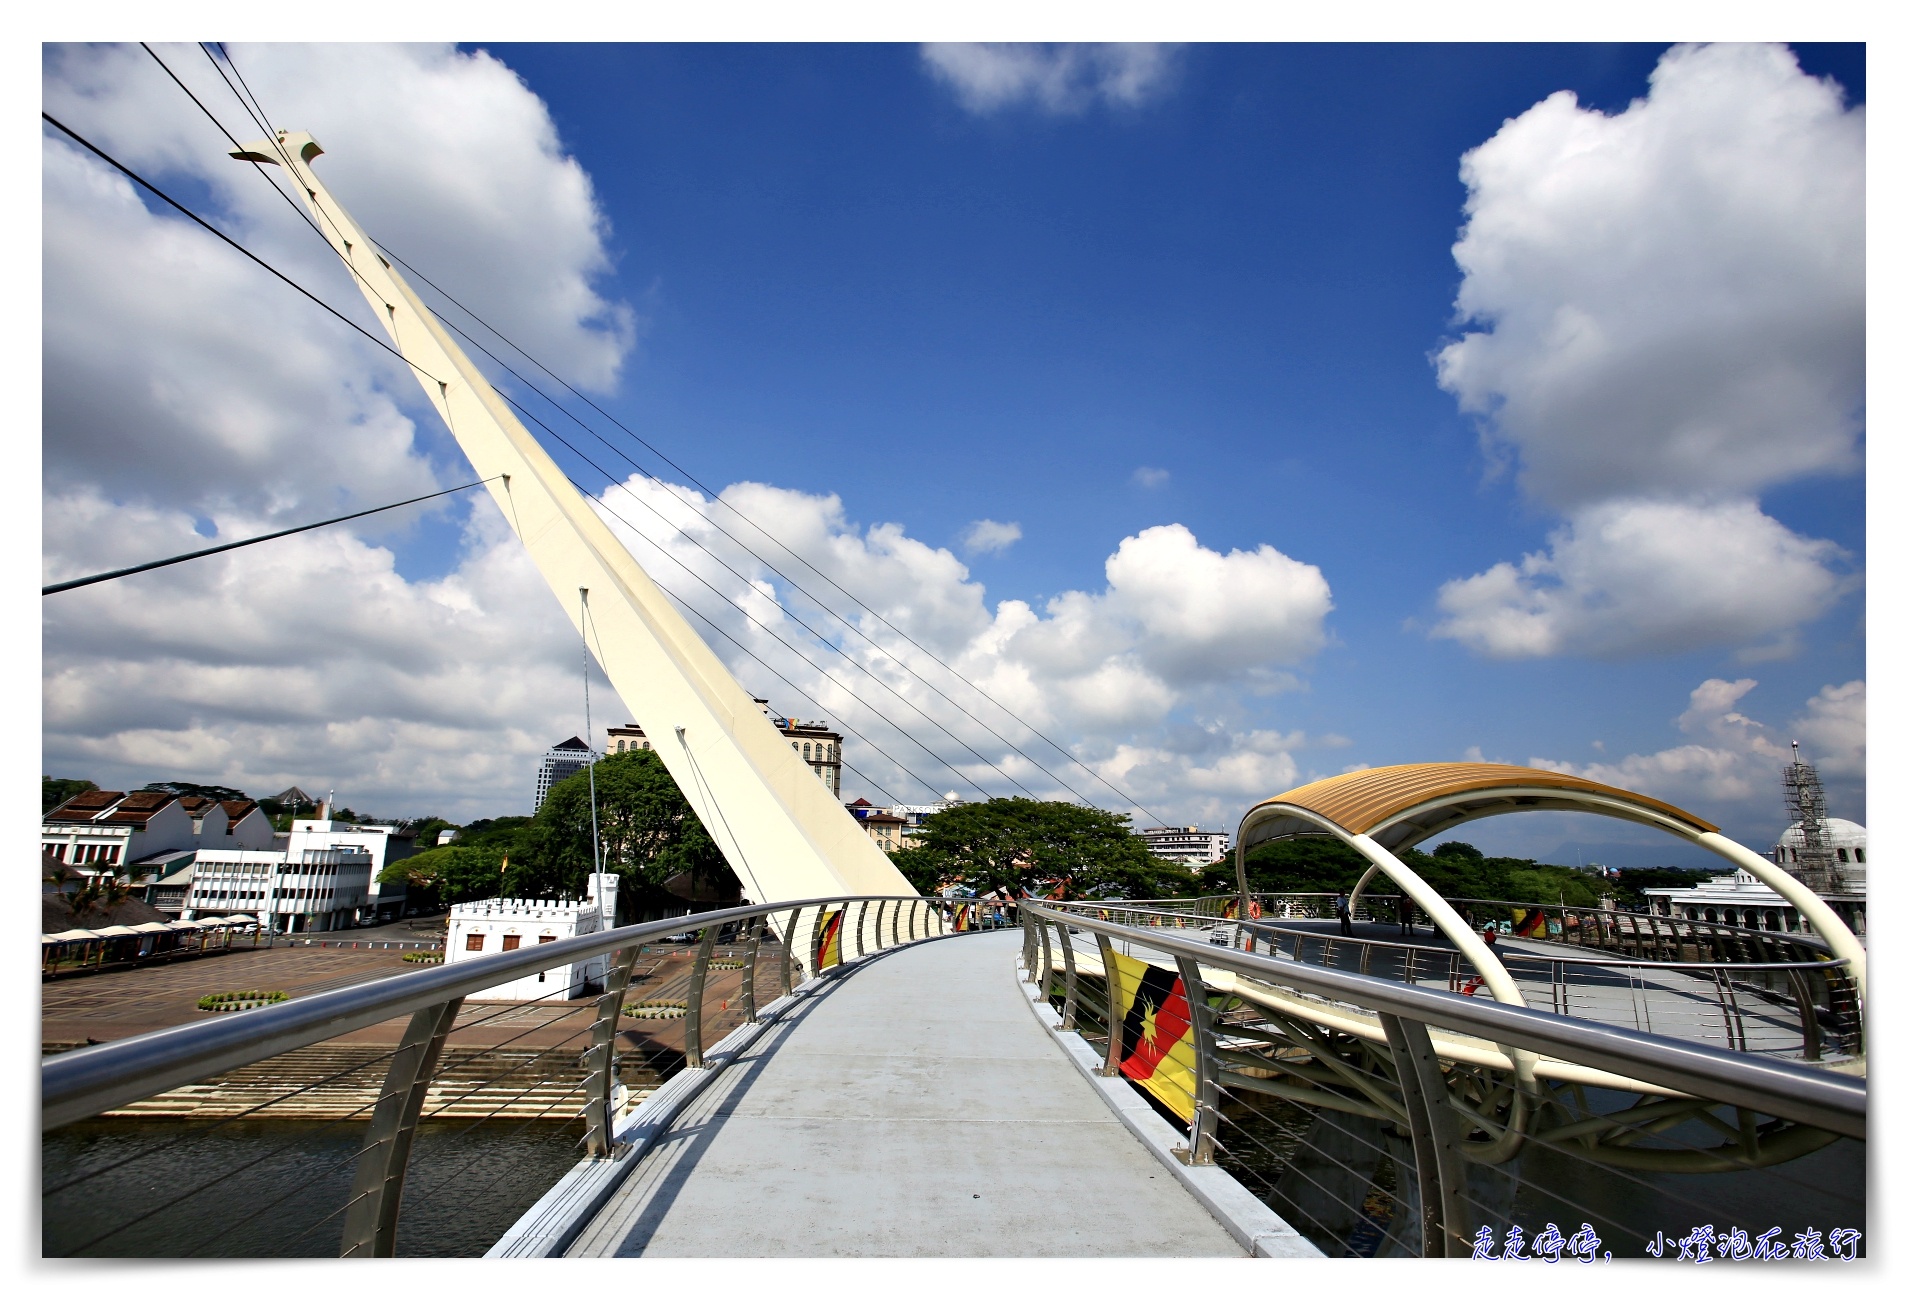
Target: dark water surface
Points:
x,y
259,1188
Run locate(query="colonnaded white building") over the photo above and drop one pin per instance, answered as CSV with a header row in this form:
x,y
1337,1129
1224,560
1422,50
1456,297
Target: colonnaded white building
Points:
x,y
494,925
1739,899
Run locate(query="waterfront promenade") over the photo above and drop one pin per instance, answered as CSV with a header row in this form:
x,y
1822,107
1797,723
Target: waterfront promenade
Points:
x,y
915,1107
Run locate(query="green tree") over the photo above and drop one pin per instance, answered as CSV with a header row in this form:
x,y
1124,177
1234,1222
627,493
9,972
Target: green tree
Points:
x,y
425,830
473,867
455,873
56,790
183,788
101,893
649,832
1034,844
1455,869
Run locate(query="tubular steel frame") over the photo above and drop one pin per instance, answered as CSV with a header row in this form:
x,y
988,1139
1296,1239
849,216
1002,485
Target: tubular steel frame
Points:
x,y
1453,1112
80,1084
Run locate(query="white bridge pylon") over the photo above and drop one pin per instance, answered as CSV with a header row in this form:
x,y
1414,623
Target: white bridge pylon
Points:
x,y
784,833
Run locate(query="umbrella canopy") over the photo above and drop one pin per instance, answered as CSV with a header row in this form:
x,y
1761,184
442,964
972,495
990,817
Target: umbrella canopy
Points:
x,y
73,936
186,925
116,932
153,927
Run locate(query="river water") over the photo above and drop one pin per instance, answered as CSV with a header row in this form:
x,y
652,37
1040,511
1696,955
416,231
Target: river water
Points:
x,y
254,1188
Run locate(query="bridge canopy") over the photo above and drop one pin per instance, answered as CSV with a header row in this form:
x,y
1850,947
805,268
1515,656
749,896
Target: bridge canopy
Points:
x,y
1405,805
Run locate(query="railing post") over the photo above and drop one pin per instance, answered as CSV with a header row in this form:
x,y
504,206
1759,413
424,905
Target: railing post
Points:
x,y
601,1085
377,1188
750,954
1199,1139
915,929
692,1018
815,942
861,930
881,914
1442,1221
788,951
1115,1022
1805,1007
1073,976
1027,945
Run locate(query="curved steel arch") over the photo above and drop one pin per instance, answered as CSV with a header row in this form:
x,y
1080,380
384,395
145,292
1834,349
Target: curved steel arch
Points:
x,y
1382,811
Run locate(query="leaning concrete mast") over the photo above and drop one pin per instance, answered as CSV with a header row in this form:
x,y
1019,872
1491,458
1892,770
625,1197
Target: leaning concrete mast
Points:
x,y
785,834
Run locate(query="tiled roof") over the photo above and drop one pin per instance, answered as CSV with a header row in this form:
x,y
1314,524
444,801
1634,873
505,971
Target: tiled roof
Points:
x,y
111,807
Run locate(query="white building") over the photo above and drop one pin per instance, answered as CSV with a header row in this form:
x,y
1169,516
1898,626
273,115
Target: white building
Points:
x,y
314,890
111,828
1739,899
228,823
913,815
1187,844
384,844
494,925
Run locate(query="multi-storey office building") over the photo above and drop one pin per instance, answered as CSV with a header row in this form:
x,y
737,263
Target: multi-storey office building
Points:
x,y
817,743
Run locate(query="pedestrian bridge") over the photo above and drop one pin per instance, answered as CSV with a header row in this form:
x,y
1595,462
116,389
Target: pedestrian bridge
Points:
x,y
924,1059
929,1077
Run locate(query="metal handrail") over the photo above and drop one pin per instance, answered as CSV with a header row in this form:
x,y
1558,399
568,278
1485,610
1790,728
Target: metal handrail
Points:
x,y
1184,906
1834,1102
79,1084
1504,954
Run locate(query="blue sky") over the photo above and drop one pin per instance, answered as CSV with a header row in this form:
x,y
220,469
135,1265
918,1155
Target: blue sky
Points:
x,y
843,270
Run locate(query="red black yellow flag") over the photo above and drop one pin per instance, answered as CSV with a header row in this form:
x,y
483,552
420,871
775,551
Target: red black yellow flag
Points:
x,y
829,953
1528,923
1230,912
1156,1042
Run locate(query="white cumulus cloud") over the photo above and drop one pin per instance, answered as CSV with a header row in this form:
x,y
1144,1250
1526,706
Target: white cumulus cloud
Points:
x,y
183,386
1176,625
187,393
1645,577
1667,316
989,537
1732,766
1058,78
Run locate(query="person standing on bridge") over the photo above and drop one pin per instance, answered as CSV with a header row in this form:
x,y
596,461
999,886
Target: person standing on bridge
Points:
x,y
1407,918
1343,907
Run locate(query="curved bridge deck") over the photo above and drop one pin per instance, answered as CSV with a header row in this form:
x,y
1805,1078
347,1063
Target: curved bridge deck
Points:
x,y
915,1107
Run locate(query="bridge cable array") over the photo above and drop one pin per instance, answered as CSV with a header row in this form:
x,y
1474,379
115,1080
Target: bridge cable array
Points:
x,y
730,600
249,101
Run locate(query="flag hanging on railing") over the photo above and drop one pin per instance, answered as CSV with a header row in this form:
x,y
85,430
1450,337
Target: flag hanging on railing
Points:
x,y
1528,923
829,953
960,918
1156,1045
1230,912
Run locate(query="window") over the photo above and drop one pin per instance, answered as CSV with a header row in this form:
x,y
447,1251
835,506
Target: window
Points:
x,y
1860,856
511,942
1841,855
473,943
546,938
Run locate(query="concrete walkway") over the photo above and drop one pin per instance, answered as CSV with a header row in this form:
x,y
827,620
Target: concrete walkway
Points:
x,y
916,1108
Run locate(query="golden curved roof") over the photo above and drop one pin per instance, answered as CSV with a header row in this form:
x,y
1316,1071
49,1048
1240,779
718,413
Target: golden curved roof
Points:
x,y
1376,797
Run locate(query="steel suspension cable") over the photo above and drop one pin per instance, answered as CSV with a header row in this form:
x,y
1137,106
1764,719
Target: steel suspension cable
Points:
x,y
259,118
610,478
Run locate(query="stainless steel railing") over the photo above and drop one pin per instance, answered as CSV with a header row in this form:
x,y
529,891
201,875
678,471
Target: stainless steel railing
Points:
x,y
1329,1092
1803,1008
564,1052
